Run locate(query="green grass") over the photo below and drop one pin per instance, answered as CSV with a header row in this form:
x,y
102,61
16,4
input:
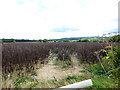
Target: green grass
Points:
x,y
99,78
28,82
104,82
0,41
95,69
62,64
98,81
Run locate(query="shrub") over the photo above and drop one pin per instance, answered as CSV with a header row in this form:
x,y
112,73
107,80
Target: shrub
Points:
x,y
115,38
108,65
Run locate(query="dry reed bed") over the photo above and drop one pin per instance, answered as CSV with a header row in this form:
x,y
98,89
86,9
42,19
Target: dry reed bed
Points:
x,y
28,54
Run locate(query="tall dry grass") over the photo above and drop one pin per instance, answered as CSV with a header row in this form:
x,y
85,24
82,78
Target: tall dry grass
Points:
x,y
19,55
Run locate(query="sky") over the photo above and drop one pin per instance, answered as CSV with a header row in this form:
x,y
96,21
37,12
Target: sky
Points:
x,y
53,19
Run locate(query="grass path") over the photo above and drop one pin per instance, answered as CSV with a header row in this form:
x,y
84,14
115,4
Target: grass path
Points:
x,y
50,71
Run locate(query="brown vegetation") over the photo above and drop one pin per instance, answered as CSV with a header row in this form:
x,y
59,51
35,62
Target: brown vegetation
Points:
x,y
19,55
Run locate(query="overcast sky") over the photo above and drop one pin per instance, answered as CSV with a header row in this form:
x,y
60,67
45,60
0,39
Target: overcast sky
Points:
x,y
49,19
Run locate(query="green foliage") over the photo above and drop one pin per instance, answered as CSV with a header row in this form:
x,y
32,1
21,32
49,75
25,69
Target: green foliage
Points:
x,y
108,61
7,40
62,64
111,64
95,69
112,61
45,40
0,41
115,38
104,82
117,55
70,77
40,40
66,64
25,80
83,40
98,81
65,40
90,40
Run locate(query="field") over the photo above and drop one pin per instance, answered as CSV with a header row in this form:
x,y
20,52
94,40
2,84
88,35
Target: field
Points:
x,y
46,65
28,54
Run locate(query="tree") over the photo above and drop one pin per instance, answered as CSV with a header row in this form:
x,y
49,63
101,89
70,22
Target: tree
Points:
x,y
45,40
85,40
115,38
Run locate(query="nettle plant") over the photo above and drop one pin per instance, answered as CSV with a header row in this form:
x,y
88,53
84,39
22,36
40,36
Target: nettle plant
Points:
x,y
110,60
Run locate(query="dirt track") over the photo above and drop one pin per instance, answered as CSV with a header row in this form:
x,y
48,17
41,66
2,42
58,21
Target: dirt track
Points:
x,y
51,71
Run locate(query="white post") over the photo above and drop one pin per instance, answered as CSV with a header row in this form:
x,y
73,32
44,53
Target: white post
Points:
x,y
82,84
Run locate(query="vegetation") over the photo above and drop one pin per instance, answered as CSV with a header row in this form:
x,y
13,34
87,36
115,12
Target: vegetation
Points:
x,y
28,54
23,81
115,38
100,62
0,41
81,39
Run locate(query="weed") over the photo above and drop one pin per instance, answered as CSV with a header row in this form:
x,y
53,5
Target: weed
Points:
x,y
104,82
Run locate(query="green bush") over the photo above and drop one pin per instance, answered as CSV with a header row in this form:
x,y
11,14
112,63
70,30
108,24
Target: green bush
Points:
x,y
95,69
117,56
104,82
115,38
110,63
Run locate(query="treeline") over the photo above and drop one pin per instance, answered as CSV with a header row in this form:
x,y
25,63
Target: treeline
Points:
x,y
110,39
46,40
17,40
25,40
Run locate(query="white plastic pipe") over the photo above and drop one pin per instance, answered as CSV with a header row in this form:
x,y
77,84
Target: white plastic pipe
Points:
x,y
82,84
